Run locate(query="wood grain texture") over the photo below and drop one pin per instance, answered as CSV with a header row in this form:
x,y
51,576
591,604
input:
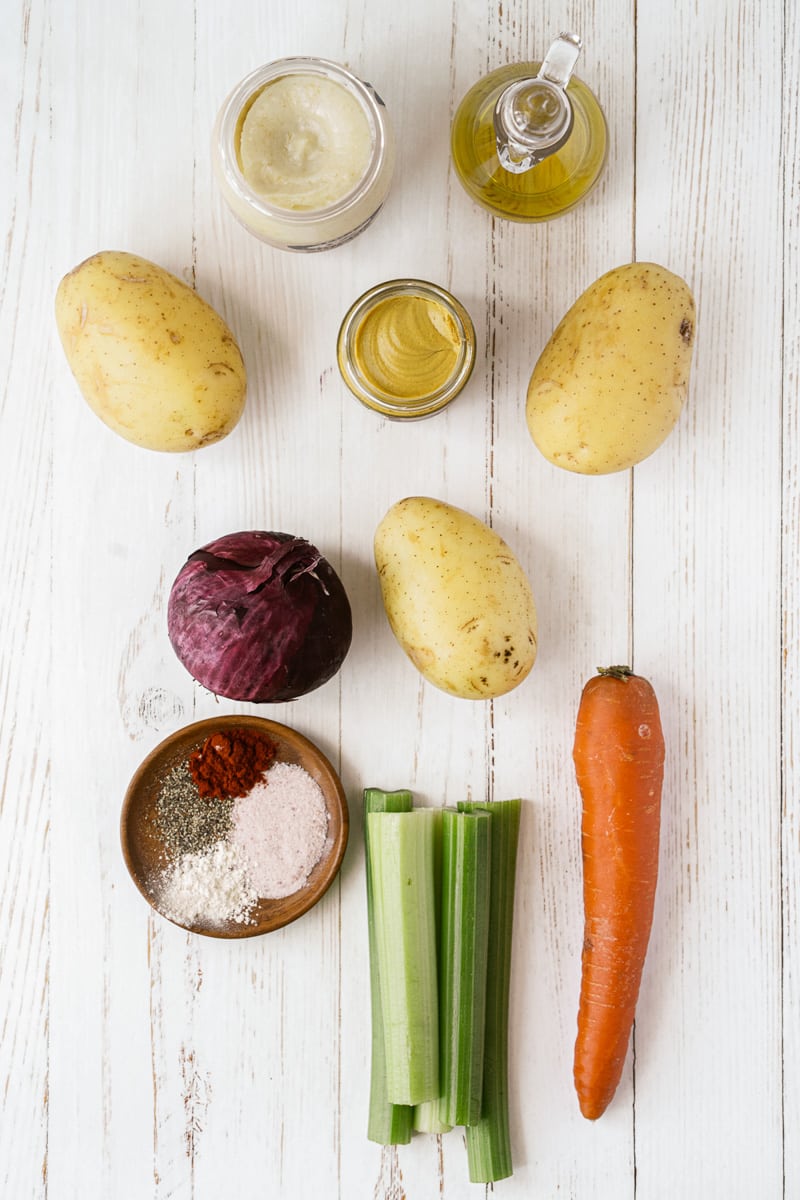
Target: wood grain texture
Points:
x,y
139,1061
26,659
790,605
705,617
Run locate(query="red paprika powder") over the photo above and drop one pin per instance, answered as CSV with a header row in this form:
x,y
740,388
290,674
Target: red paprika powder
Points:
x,y
228,764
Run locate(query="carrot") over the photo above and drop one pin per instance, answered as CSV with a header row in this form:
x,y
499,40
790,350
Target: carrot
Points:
x,y
619,763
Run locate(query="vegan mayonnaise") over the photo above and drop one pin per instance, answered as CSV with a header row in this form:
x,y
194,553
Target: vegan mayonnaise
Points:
x,y
303,153
305,143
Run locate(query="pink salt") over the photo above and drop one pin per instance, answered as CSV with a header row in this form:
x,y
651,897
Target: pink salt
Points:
x,y
280,828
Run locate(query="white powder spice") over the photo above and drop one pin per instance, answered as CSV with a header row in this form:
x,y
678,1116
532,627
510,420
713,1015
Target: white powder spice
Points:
x,y
210,887
280,828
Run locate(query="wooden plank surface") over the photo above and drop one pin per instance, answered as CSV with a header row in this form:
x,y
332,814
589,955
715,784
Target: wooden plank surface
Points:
x,y
140,1061
705,614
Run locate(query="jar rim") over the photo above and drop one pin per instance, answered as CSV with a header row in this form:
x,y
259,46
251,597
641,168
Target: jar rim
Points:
x,y
380,401
245,93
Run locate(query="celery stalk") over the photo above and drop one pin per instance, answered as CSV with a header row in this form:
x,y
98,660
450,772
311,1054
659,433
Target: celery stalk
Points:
x,y
388,1124
466,884
427,1119
402,853
488,1141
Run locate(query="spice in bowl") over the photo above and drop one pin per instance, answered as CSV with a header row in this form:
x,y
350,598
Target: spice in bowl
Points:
x,y
229,764
235,835
279,828
187,823
249,829
210,887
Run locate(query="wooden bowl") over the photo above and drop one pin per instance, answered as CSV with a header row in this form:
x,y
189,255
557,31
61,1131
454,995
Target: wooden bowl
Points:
x,y
146,856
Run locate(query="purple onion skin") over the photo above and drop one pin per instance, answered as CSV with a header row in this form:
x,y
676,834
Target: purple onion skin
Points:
x,y
259,616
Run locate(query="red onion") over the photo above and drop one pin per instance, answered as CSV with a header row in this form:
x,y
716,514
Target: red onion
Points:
x,y
259,616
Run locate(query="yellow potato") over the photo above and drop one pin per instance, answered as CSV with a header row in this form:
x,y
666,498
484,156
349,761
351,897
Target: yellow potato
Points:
x,y
611,382
153,360
457,600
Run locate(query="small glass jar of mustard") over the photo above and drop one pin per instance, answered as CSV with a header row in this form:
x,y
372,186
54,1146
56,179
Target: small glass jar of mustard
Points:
x,y
303,153
406,348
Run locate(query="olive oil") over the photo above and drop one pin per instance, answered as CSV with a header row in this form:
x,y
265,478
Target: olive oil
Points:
x,y
556,183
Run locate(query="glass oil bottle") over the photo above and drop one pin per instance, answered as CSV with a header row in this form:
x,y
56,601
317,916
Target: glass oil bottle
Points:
x,y
529,140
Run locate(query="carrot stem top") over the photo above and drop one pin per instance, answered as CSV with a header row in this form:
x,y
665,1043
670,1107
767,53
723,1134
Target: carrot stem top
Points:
x,y
623,673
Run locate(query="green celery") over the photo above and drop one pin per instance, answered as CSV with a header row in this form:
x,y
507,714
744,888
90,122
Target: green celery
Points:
x,y
466,887
402,855
388,1124
488,1141
427,1118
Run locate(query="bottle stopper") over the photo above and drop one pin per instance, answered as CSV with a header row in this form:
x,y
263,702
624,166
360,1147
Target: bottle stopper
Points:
x,y
533,117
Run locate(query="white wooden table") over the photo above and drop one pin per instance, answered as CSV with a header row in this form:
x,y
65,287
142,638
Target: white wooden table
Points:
x,y
139,1061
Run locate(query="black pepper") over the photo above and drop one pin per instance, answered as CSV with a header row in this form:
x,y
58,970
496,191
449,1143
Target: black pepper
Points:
x,y
186,822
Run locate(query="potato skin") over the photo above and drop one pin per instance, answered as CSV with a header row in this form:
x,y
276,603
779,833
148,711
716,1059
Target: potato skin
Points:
x,y
152,359
456,597
610,384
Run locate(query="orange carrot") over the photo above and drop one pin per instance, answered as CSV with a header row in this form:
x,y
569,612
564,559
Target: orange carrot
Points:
x,y
619,763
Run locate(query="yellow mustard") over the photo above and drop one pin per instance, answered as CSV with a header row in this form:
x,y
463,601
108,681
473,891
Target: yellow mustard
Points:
x,y
406,348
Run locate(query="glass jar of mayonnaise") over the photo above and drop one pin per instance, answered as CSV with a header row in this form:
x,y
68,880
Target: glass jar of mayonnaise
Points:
x,y
303,152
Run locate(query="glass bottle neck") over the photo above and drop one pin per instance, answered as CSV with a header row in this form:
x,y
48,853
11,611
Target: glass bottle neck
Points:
x,y
533,116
